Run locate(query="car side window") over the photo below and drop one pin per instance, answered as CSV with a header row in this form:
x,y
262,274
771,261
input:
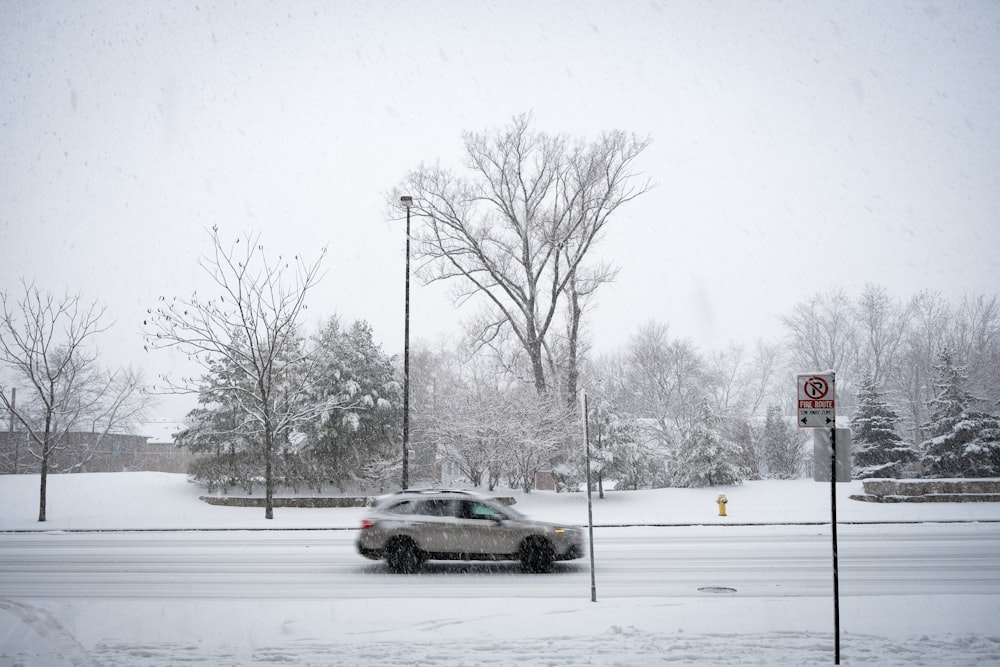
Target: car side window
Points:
x,y
436,507
475,510
404,507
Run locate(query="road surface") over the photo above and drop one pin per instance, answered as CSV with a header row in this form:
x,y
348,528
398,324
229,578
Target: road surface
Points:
x,y
630,562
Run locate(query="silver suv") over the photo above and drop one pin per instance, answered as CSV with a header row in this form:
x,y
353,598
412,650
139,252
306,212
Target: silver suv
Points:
x,y
410,527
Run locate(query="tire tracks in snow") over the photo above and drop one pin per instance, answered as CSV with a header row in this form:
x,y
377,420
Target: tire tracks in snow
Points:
x,y
63,644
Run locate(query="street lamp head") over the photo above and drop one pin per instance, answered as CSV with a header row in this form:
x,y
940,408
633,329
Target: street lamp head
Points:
x,y
406,201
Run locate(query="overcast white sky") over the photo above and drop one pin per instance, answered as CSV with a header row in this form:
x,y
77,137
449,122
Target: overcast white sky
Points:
x,y
797,146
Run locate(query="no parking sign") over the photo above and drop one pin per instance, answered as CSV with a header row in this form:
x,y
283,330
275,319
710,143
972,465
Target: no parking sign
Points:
x,y
817,402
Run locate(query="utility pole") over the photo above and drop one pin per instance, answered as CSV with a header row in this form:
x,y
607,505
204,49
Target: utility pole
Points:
x,y
406,201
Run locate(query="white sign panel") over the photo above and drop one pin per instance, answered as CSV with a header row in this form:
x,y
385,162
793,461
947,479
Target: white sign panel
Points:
x,y
823,455
817,407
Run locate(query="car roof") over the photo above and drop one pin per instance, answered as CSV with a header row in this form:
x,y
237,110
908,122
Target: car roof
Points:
x,y
430,492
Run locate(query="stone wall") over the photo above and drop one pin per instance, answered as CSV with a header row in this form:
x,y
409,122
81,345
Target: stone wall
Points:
x,y
930,491
311,501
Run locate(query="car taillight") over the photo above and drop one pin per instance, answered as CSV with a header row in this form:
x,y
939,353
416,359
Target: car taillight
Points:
x,y
366,523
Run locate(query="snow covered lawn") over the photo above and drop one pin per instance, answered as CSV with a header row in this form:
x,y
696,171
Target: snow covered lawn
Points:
x,y
150,500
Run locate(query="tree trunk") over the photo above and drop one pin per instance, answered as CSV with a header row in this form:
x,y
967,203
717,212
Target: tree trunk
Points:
x,y
537,367
43,484
268,473
44,479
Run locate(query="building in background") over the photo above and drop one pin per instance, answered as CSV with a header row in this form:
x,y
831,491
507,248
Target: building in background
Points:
x,y
152,448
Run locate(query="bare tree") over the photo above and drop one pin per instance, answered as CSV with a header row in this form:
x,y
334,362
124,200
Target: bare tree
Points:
x,y
925,337
44,345
580,288
725,387
519,230
782,446
761,376
975,337
822,335
538,431
252,323
666,381
607,376
882,325
470,435
739,383
668,378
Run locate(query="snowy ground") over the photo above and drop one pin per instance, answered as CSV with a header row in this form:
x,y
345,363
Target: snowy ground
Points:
x,y
550,629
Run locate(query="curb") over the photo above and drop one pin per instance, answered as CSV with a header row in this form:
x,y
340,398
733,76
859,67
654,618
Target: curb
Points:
x,y
744,524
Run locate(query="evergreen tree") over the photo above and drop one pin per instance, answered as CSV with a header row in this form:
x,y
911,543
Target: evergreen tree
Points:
x,y
216,430
706,457
602,433
613,447
227,432
781,447
964,442
359,439
747,436
878,450
636,462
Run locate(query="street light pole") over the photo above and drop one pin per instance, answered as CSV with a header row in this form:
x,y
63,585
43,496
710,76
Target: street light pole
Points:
x,y
406,201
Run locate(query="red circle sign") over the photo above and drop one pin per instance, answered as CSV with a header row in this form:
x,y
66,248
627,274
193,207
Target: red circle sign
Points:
x,y
815,387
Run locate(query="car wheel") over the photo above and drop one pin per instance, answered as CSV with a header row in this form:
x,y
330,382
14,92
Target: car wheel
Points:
x,y
403,556
537,555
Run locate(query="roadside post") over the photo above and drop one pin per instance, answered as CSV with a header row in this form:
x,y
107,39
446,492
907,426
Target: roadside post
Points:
x,y
590,505
817,409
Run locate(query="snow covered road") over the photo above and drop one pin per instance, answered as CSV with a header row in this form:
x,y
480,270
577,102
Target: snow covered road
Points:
x,y
630,562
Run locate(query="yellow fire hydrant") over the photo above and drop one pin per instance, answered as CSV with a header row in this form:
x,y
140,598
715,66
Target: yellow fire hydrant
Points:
x,y
722,504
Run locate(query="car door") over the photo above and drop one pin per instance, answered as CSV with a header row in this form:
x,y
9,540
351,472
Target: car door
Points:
x,y
485,529
438,530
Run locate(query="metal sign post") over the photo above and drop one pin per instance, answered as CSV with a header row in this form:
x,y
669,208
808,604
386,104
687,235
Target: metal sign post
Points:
x,y
590,506
833,524
817,409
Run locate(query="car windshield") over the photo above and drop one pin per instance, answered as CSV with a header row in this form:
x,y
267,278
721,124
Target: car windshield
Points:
x,y
508,511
